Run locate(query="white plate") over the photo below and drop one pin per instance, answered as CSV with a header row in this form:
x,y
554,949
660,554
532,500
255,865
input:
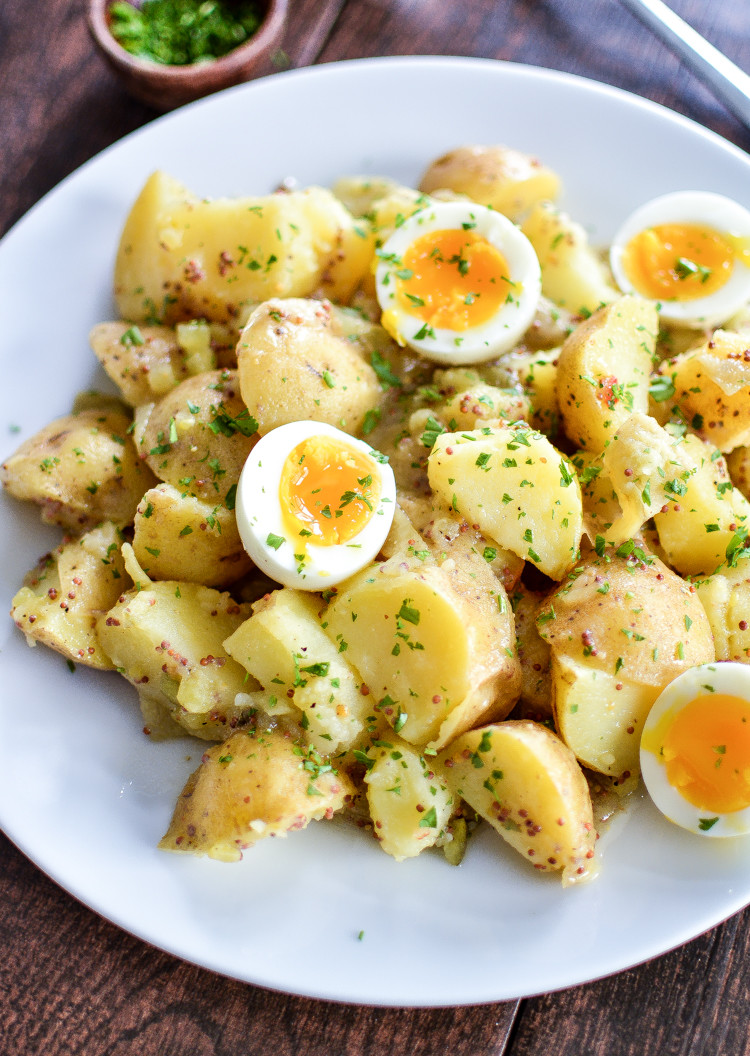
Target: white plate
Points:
x,y
87,796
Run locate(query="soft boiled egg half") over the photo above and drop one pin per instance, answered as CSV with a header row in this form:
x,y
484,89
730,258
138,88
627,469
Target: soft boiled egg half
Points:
x,y
314,505
690,251
457,282
695,750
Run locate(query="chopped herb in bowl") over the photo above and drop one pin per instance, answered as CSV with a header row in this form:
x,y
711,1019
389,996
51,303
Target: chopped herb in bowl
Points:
x,y
182,32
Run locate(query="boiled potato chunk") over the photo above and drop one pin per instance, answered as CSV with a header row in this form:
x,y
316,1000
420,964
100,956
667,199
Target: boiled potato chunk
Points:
x,y
166,639
603,371
197,437
179,536
706,519
434,650
283,646
69,590
146,362
410,805
726,598
629,616
183,257
524,781
600,716
81,470
469,402
516,487
572,274
620,629
498,176
295,362
712,389
256,784
533,654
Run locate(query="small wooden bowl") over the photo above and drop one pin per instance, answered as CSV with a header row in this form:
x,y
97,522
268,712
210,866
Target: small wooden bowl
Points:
x,y
165,87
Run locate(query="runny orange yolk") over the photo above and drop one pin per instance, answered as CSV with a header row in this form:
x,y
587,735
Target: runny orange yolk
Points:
x,y
678,262
328,491
453,280
707,753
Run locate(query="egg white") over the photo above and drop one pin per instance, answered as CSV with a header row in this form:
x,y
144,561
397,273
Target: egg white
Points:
x,y
259,515
726,677
488,340
705,208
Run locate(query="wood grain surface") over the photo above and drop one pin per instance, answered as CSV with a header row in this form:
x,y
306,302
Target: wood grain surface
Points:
x,y
72,983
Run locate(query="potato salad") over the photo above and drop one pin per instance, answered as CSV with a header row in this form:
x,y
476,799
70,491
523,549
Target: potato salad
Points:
x,y
413,506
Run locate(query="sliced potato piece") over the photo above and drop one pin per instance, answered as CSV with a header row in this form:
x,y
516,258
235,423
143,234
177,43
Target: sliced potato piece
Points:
x,y
600,716
166,639
627,616
181,537
283,646
603,371
434,650
256,784
199,435
516,487
183,257
68,591
81,469
726,598
572,274
529,787
712,389
410,805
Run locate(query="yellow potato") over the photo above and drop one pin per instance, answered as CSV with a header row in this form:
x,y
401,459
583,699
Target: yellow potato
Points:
x,y
603,371
501,177
573,276
166,639
516,487
197,437
81,470
181,537
434,649
183,257
283,646
526,783
295,362
410,804
256,784
620,629
726,598
62,598
600,716
712,389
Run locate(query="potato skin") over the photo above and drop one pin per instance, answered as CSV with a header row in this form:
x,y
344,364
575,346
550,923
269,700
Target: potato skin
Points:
x,y
295,363
81,469
614,612
197,437
507,179
63,597
181,537
254,785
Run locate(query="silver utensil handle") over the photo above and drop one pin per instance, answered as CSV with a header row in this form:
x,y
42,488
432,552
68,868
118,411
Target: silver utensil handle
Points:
x,y
726,80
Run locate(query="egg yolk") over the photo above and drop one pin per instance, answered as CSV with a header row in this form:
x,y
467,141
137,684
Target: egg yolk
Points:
x,y
328,491
706,752
453,280
678,262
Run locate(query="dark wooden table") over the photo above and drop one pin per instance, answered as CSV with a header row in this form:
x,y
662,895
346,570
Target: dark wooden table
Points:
x,y
73,983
